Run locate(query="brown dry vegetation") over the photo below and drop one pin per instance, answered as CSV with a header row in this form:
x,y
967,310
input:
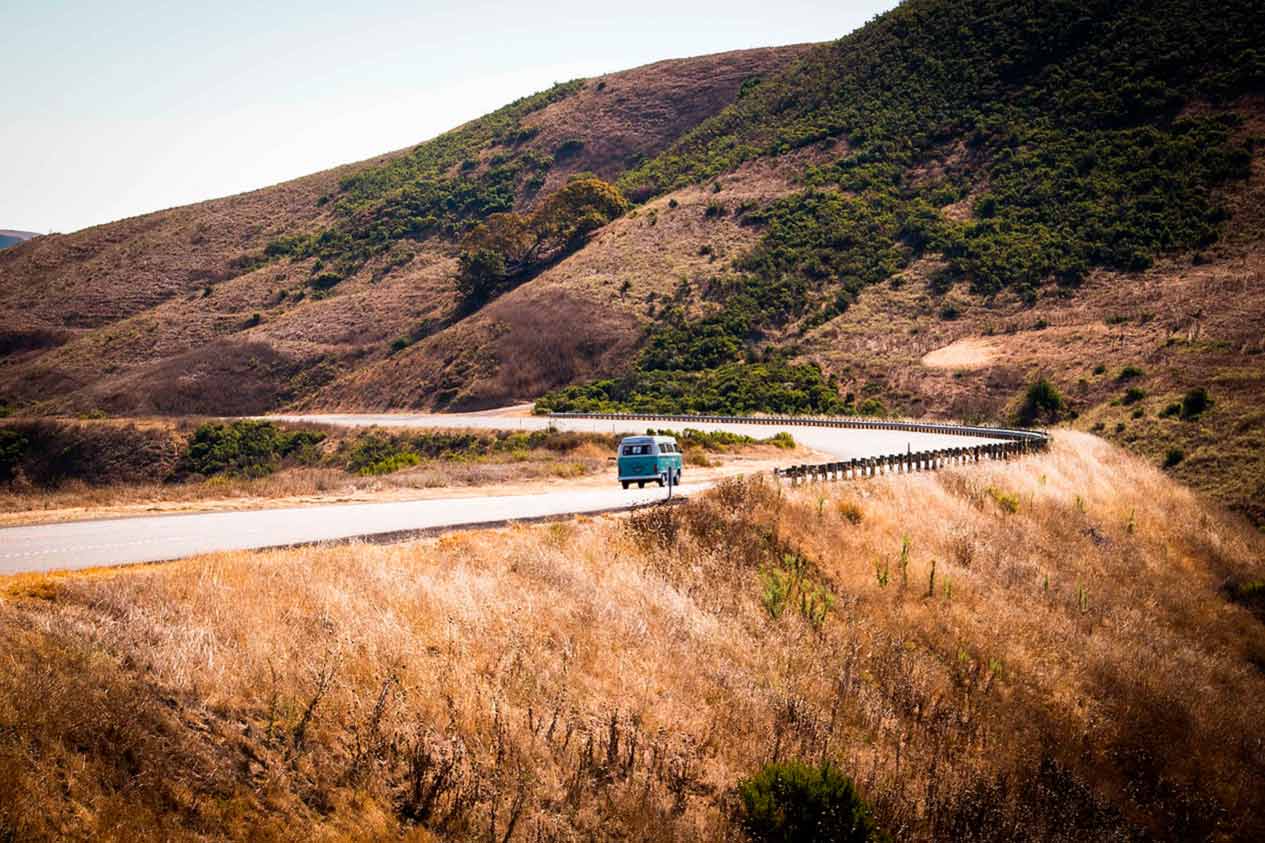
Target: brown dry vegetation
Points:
x,y
1075,671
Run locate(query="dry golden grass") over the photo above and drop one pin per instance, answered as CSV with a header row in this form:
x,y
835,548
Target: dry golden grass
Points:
x,y
1076,673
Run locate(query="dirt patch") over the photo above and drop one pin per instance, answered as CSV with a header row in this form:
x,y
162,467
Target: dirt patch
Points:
x,y
968,353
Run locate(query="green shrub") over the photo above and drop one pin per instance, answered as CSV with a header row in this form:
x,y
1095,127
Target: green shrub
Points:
x,y
872,407
782,440
1129,373
1042,402
245,448
1194,403
325,281
1173,457
1133,395
13,447
568,149
1174,409
793,802
377,453
399,344
731,388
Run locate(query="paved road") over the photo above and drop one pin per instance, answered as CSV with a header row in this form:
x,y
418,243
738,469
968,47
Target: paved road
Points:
x,y
118,541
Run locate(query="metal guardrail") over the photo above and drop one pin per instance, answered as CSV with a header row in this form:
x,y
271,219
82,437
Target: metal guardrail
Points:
x,y
1015,442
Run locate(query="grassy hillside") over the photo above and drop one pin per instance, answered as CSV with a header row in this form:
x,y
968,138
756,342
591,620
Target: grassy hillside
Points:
x,y
1066,647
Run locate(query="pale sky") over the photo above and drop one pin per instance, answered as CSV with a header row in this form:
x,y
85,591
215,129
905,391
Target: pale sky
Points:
x,y
115,109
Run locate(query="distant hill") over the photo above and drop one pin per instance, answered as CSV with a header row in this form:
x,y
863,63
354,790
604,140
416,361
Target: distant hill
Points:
x,y
10,237
920,218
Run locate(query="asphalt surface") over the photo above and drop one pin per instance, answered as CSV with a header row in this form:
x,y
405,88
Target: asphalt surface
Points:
x,y
84,544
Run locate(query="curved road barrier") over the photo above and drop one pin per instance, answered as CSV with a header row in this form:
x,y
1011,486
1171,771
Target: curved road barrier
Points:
x,y
1014,442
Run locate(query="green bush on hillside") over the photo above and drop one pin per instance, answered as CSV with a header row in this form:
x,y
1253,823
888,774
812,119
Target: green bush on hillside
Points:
x,y
245,448
1195,403
732,388
13,447
793,802
1041,402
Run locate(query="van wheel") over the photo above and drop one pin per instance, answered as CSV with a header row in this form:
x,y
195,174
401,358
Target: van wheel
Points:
x,y
641,484
624,483
677,481
663,480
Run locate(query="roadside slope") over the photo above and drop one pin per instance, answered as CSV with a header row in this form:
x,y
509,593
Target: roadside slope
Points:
x,y
1076,670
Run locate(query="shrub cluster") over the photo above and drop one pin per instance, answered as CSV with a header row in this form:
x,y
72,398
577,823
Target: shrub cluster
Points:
x,y
1078,153
377,452
789,802
732,388
246,448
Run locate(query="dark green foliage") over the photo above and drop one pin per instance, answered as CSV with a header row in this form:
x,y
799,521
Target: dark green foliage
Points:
x,y
1130,373
1173,457
1133,395
1250,594
872,407
325,281
1171,410
508,248
1042,402
568,149
245,448
1194,403
825,236
732,388
13,447
793,802
377,452
1071,111
481,274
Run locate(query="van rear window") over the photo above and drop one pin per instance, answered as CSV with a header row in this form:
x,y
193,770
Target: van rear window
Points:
x,y
636,450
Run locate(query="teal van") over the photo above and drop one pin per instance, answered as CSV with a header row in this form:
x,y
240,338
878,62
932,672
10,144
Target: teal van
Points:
x,y
645,459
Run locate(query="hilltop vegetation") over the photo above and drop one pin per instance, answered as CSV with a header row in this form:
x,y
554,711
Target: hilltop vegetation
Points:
x,y
1062,127
1001,652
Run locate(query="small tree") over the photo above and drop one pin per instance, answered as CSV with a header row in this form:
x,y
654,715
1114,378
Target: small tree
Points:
x,y
793,802
482,273
1195,402
1043,401
508,247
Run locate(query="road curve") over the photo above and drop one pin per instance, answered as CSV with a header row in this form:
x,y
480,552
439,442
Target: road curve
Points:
x,y
119,541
